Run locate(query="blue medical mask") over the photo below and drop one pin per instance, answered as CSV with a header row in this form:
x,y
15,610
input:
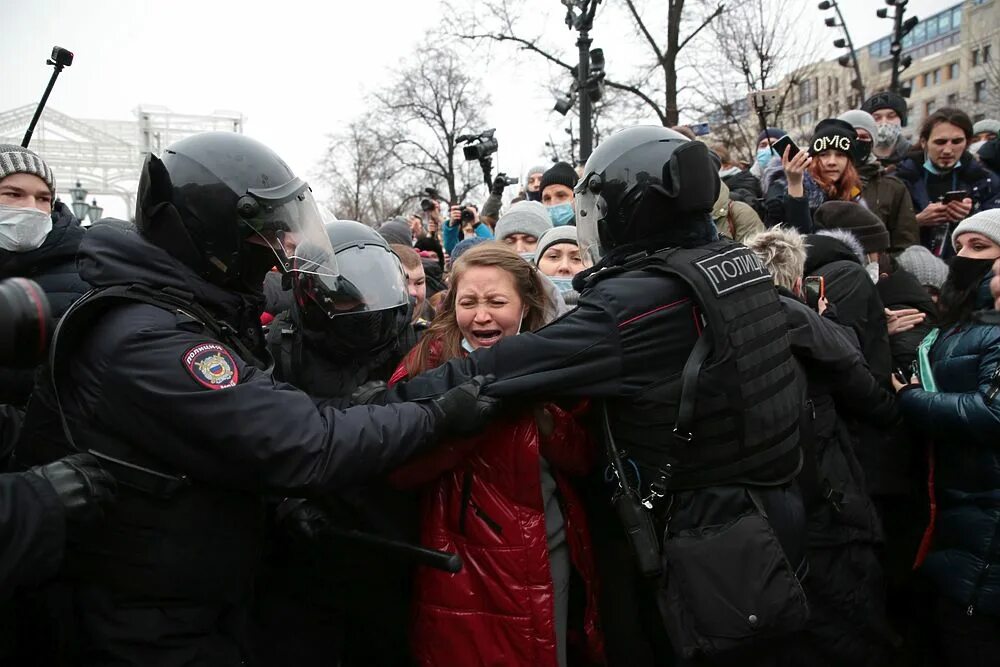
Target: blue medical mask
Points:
x,y
764,156
561,214
562,284
529,257
929,166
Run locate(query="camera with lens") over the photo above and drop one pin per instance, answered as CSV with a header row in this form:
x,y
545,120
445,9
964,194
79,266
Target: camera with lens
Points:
x,y
468,215
25,323
427,205
478,146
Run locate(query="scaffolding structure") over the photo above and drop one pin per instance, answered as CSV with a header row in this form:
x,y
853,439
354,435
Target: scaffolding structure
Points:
x,y
106,156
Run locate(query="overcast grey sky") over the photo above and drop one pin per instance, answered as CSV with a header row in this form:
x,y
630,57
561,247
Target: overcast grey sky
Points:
x,y
297,69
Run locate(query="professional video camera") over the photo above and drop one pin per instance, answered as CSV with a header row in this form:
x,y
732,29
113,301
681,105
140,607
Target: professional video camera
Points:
x,y
25,323
480,147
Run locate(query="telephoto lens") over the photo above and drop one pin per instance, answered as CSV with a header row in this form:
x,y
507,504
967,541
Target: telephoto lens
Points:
x,y
25,323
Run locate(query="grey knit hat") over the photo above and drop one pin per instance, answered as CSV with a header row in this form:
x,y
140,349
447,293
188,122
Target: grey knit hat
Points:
x,y
524,217
987,125
17,160
556,235
860,120
929,269
986,223
537,169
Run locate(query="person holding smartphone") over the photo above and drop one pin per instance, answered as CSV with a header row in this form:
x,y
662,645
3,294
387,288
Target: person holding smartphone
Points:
x,y
805,179
946,182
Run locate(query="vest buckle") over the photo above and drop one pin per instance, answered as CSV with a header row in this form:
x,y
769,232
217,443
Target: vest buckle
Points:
x,y
684,436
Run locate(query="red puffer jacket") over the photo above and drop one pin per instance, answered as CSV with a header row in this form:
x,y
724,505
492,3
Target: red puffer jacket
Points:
x,y
482,499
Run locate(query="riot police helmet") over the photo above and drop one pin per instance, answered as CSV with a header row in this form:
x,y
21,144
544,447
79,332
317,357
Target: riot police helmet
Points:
x,y
645,185
369,306
229,208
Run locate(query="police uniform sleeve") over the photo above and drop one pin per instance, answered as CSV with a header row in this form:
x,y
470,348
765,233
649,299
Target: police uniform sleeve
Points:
x,y
32,531
195,405
578,355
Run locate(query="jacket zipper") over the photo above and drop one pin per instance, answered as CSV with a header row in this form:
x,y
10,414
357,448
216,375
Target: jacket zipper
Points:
x,y
971,609
492,523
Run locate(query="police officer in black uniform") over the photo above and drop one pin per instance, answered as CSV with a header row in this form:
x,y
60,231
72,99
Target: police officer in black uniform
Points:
x,y
682,336
324,599
161,374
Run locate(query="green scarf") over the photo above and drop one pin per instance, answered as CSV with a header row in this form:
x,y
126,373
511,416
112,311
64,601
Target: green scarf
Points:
x,y
924,360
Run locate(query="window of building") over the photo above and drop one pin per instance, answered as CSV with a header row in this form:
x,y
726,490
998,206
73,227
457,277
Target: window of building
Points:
x,y
953,71
806,118
975,57
929,106
937,76
979,91
986,53
927,79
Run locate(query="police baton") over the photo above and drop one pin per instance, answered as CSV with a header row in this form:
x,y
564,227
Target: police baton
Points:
x,y
439,560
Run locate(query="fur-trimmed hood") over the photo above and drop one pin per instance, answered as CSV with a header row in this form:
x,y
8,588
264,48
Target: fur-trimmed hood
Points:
x,y
848,239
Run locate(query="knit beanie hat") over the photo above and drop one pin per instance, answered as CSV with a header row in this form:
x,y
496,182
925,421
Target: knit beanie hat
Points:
x,y
524,217
924,265
986,223
987,125
860,120
555,236
774,132
537,169
17,160
857,220
465,244
396,231
886,100
560,173
833,134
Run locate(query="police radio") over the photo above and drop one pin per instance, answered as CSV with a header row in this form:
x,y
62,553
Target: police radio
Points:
x,y
636,520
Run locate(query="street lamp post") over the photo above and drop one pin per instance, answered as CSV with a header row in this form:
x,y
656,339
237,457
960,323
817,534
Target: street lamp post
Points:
x,y
588,73
900,29
852,58
81,209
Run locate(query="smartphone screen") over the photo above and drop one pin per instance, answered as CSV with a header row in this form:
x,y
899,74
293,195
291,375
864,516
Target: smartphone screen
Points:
x,y
780,145
815,289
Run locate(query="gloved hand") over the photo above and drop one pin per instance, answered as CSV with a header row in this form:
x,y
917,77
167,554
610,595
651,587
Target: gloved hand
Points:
x,y
499,183
464,410
369,393
81,484
302,519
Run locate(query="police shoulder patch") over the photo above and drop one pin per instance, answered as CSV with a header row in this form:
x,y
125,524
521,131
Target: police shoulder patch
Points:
x,y
212,366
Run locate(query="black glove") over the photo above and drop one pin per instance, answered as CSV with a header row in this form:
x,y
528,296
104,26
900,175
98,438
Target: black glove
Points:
x,y
464,410
81,484
302,519
499,184
370,393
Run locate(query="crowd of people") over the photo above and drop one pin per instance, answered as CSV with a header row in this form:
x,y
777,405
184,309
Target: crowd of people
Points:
x,y
669,407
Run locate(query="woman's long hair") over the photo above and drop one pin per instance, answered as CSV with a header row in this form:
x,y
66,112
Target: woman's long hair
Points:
x,y
955,305
444,330
846,188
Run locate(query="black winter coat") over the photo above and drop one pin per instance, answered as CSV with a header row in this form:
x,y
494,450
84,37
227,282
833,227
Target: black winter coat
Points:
x,y
962,420
846,597
165,581
32,532
53,267
899,290
745,187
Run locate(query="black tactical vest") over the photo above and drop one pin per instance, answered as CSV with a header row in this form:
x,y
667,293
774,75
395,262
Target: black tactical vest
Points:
x,y
166,536
731,416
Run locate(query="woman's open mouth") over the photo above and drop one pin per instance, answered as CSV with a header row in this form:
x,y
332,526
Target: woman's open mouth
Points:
x,y
487,337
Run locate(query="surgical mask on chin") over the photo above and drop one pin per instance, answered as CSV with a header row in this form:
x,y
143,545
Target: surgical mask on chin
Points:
x,y
764,156
886,134
561,214
562,284
23,229
933,169
873,272
467,346
529,257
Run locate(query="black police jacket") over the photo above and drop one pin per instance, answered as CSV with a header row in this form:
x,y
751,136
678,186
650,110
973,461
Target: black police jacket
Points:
x,y
628,338
32,531
152,387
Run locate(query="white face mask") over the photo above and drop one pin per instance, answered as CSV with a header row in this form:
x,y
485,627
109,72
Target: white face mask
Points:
x,y
23,229
873,272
